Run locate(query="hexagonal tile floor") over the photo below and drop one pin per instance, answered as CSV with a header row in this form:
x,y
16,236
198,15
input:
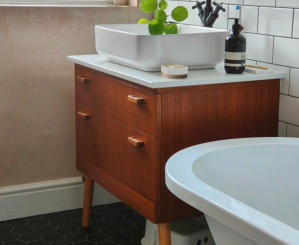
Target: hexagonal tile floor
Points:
x,y
113,224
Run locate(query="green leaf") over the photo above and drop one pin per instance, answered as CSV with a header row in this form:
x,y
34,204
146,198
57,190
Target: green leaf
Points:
x,y
171,28
143,21
156,27
160,15
148,6
163,4
179,14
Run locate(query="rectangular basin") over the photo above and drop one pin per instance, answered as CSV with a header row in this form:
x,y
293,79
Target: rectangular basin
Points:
x,y
132,45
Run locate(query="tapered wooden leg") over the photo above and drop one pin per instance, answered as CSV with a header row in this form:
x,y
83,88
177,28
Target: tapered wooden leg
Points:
x,y
164,234
88,192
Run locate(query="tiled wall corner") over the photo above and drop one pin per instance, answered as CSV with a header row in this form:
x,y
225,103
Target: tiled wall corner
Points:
x,y
271,28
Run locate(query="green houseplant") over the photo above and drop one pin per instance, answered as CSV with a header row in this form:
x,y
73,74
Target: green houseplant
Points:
x,y
159,25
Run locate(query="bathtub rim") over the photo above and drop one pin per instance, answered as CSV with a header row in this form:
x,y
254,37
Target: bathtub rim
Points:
x,y
252,223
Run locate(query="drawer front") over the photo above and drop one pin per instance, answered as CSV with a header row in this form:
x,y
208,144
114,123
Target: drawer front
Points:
x,y
112,97
122,152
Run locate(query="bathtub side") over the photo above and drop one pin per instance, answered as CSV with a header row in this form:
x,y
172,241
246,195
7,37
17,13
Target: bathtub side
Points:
x,y
231,221
224,235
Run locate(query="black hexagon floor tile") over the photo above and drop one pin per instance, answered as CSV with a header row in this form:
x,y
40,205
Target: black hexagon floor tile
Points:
x,y
112,224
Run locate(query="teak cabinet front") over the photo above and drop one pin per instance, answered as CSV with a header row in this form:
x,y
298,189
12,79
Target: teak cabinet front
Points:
x,y
125,132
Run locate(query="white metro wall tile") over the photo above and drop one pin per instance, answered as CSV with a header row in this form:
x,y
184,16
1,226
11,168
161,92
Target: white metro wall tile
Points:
x,y
275,21
233,1
294,82
287,3
171,6
296,23
249,18
285,83
193,17
221,22
259,47
286,52
272,33
230,25
282,129
233,11
288,109
260,2
292,131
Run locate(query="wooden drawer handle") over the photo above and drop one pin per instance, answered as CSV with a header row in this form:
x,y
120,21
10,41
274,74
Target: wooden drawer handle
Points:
x,y
83,80
136,100
135,142
83,115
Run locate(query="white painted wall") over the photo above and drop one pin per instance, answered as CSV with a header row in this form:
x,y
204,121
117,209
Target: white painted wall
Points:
x,y
272,33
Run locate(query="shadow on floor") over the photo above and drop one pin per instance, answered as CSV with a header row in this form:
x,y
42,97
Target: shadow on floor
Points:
x,y
112,224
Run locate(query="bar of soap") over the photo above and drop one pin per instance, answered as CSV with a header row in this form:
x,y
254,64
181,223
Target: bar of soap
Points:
x,y
174,71
258,71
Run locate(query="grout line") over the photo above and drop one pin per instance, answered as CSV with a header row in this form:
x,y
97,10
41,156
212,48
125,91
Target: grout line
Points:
x,y
265,6
292,96
289,81
293,20
272,35
258,19
278,64
273,49
288,123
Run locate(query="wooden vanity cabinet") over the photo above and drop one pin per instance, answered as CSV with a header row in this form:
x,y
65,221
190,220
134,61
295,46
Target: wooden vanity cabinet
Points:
x,y
126,132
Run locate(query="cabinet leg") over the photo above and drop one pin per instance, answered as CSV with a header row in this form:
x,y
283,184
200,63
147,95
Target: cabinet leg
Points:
x,y
88,192
164,234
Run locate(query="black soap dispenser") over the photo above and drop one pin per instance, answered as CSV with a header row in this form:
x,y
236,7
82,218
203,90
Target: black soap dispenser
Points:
x,y
235,50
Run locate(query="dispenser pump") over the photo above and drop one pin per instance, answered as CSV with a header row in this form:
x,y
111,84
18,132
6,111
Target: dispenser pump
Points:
x,y
237,28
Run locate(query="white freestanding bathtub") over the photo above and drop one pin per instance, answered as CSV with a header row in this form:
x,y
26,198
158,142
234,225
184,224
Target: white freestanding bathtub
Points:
x,y
248,189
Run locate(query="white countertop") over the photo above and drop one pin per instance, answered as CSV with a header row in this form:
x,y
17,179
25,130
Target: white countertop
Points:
x,y
154,80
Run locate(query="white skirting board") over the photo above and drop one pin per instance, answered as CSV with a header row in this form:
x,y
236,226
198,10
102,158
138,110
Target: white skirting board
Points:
x,y
47,197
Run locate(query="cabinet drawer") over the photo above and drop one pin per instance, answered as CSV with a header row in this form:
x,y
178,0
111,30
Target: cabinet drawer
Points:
x,y
109,96
106,143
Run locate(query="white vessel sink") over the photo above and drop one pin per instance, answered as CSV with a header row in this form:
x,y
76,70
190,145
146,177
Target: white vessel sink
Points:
x,y
133,46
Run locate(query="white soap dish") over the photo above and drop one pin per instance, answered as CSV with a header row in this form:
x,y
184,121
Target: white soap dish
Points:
x,y
174,71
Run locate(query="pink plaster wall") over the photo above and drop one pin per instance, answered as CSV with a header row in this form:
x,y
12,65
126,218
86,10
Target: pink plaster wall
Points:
x,y
37,135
